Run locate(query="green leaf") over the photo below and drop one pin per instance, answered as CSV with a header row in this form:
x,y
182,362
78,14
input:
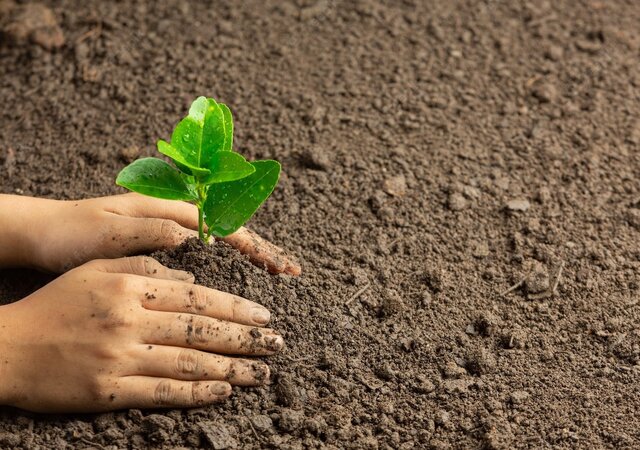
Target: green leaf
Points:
x,y
155,178
201,134
185,166
230,205
228,128
228,166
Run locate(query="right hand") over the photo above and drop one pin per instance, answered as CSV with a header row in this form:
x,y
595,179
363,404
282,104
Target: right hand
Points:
x,y
129,333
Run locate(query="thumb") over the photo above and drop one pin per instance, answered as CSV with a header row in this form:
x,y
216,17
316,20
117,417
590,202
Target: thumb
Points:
x,y
144,235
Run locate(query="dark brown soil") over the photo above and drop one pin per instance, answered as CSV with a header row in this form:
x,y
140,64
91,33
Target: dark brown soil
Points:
x,y
436,154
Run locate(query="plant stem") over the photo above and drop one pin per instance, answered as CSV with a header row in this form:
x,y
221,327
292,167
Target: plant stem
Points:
x,y
201,199
201,224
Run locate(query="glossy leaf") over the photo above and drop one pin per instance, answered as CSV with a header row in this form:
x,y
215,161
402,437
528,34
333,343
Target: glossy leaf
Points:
x,y
228,166
228,127
201,134
185,166
155,178
229,205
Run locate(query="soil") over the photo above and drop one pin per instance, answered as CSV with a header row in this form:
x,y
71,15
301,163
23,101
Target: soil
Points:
x,y
462,186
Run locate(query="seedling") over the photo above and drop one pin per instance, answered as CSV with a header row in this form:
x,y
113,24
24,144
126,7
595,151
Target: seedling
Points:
x,y
226,188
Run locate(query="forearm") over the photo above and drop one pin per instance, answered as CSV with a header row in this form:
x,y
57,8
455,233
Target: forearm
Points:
x,y
16,230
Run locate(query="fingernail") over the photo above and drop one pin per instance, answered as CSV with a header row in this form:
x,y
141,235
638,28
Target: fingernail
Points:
x,y
183,276
260,315
220,389
274,343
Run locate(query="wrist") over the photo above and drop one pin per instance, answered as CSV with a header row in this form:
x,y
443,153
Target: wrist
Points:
x,y
17,237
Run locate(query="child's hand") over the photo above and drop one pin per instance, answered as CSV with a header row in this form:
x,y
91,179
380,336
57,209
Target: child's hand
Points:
x,y
129,333
64,234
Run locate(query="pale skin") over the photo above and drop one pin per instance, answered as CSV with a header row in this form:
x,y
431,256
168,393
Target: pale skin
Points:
x,y
124,332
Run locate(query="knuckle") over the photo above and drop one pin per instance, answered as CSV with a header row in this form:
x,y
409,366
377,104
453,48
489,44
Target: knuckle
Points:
x,y
120,284
143,265
97,389
189,362
164,393
168,231
197,331
196,299
115,321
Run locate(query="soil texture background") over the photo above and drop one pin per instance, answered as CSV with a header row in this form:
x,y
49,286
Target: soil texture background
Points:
x,y
462,187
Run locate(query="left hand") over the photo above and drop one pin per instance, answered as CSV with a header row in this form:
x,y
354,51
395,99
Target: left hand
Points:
x,y
66,234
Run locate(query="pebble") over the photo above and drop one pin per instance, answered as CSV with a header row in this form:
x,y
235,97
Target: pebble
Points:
x,y
316,158
518,205
453,370
457,202
290,419
587,46
519,397
36,23
554,53
480,362
395,186
218,435
262,422
479,249
392,303
545,92
537,282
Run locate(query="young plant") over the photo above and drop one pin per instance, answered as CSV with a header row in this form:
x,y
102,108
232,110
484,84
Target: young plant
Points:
x,y
225,187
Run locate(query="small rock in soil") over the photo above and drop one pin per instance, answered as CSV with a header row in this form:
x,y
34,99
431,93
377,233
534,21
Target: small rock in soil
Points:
x,y
479,249
456,202
518,205
385,372
33,22
262,423
453,370
396,186
316,158
290,420
424,385
156,422
392,303
545,92
518,397
287,392
459,386
480,362
538,281
218,435
486,323
514,338
554,53
588,46
129,154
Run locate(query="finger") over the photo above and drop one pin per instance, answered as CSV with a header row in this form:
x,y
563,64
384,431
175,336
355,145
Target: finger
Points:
x,y
263,253
187,364
188,298
144,266
213,335
150,392
141,206
146,235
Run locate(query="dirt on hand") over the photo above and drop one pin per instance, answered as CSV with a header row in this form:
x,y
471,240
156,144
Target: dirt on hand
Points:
x,y
461,184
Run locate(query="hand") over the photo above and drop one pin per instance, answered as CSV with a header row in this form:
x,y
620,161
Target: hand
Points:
x,y
129,333
59,235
